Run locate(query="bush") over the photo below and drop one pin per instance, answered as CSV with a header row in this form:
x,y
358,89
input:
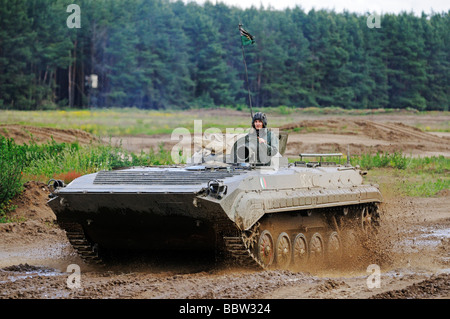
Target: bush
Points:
x,y
395,160
12,159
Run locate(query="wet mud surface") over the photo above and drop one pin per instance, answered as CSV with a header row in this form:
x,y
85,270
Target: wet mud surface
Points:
x,y
412,251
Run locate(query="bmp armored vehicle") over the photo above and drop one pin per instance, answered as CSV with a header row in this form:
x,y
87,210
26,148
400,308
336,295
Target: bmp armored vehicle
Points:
x,y
270,214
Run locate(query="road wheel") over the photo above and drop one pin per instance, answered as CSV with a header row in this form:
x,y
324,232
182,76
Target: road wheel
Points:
x,y
366,220
283,252
266,249
316,249
300,250
370,220
334,247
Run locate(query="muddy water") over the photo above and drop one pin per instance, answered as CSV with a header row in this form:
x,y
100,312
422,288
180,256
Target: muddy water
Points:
x,y
411,250
168,278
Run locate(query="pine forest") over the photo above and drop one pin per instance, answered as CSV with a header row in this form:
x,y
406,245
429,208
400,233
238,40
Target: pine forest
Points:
x,y
160,54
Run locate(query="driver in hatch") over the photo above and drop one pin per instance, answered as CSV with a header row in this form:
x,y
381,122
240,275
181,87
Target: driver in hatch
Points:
x,y
260,140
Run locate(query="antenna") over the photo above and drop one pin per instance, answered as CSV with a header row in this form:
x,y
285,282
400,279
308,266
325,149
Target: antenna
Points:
x,y
348,154
242,31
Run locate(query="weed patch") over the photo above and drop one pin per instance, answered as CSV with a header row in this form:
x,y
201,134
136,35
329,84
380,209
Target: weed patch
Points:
x,y
421,176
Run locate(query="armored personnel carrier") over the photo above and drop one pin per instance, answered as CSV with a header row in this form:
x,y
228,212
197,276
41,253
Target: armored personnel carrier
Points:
x,y
258,215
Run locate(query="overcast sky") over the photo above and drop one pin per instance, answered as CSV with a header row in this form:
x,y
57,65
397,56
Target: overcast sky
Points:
x,y
360,6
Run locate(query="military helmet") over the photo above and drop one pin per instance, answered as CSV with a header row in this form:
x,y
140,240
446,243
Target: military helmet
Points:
x,y
259,116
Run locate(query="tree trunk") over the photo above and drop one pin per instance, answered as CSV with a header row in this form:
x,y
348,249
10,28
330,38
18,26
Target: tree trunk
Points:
x,y
70,88
72,72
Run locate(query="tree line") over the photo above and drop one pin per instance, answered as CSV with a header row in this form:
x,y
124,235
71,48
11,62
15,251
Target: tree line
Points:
x,y
157,54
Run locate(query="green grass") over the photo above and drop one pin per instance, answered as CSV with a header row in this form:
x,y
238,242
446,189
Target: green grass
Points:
x,y
395,182
408,176
425,188
442,127
121,122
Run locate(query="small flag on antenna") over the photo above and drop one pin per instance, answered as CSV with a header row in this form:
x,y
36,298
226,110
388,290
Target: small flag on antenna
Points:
x,y
246,37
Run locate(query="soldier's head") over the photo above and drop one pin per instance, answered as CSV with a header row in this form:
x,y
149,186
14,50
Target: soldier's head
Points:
x,y
259,120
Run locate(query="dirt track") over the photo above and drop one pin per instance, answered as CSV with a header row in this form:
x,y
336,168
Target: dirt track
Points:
x,y
412,251
363,136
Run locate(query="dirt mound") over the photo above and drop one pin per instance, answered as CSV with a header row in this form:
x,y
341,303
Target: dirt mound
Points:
x,y
330,284
27,268
437,286
32,203
24,134
363,136
444,193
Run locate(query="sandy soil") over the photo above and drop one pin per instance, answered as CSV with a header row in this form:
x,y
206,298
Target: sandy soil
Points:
x,y
364,136
412,247
25,133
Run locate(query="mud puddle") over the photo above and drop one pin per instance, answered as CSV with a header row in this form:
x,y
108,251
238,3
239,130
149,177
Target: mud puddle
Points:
x,y
25,271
